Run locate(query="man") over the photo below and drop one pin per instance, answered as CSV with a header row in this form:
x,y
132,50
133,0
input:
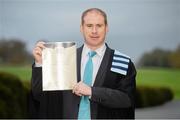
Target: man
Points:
x,y
109,93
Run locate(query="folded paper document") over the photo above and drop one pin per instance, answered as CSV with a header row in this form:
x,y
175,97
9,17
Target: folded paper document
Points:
x,y
59,66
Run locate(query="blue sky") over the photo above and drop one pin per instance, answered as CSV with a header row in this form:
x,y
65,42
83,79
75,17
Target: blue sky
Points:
x,y
136,26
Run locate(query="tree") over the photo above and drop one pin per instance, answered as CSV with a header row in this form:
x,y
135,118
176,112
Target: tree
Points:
x,y
161,58
157,57
13,51
175,58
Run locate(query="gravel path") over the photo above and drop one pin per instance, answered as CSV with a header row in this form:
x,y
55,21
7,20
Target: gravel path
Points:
x,y
169,110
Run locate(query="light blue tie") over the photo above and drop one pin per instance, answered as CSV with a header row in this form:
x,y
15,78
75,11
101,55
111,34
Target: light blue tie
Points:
x,y
84,108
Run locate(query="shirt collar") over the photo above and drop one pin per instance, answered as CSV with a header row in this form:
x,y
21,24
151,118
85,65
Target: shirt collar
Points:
x,y
100,51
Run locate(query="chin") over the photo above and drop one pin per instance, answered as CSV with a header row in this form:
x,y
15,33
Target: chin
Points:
x,y
94,44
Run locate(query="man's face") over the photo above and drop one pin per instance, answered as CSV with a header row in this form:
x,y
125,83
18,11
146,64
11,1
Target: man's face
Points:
x,y
94,29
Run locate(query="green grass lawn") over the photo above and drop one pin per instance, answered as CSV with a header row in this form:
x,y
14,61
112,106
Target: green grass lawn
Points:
x,y
147,76
23,72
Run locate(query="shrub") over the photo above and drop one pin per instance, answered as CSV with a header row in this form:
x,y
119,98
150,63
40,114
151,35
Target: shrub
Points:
x,y
151,96
13,97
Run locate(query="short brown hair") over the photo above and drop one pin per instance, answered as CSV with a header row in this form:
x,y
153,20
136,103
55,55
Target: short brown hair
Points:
x,y
96,10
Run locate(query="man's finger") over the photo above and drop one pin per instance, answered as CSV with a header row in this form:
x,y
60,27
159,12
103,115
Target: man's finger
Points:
x,y
40,45
37,51
75,88
78,94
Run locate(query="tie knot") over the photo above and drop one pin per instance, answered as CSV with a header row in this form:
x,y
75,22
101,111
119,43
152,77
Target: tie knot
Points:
x,y
92,54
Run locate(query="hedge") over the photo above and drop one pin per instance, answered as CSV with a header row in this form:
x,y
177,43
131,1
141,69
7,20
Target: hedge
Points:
x,y
13,97
152,96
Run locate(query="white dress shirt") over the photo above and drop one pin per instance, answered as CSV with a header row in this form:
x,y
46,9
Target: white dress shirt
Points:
x,y
97,59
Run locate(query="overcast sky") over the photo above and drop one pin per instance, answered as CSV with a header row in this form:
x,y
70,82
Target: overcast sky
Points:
x,y
136,26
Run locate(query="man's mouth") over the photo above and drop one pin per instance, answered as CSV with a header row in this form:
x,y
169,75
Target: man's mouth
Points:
x,y
94,37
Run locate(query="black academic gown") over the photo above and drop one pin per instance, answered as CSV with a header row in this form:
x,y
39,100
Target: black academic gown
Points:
x,y
112,94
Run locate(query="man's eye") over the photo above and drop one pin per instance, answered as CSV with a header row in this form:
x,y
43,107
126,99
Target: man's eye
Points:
x,y
99,25
89,25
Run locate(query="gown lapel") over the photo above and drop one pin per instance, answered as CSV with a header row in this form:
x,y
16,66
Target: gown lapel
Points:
x,y
101,75
79,53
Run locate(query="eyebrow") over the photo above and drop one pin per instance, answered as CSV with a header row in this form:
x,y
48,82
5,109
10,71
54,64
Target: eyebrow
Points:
x,y
93,24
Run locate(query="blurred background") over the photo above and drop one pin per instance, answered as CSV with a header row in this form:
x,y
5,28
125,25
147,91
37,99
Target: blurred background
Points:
x,y
146,30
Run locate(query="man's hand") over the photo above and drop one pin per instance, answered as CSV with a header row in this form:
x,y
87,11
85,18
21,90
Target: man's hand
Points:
x,y
81,89
37,52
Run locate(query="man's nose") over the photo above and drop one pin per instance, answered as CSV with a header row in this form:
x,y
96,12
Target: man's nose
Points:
x,y
94,30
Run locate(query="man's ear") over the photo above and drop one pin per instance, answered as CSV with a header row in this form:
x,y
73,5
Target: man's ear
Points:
x,y
107,28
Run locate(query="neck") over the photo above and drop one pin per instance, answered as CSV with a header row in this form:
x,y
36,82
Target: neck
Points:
x,y
94,47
